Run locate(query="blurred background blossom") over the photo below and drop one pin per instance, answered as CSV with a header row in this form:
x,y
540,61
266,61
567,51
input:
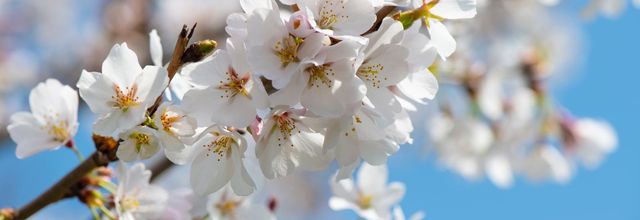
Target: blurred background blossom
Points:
x,y
531,96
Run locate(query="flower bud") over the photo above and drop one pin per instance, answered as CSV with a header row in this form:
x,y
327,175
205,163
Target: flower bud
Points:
x,y
299,25
198,51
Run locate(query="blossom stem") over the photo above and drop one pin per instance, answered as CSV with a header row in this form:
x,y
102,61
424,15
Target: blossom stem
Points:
x,y
77,152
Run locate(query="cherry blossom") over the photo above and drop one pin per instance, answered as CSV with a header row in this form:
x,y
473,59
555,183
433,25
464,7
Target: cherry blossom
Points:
x,y
123,91
53,120
140,142
135,198
370,197
226,205
217,159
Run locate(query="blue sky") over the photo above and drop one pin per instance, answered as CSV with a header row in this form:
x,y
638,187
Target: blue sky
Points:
x,y
605,87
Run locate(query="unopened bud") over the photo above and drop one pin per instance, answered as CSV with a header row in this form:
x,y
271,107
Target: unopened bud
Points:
x,y
198,51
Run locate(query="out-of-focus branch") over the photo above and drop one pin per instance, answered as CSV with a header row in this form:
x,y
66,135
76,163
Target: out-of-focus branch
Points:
x,y
159,168
106,148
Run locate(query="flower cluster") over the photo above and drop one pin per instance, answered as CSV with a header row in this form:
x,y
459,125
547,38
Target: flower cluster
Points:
x,y
329,81
495,117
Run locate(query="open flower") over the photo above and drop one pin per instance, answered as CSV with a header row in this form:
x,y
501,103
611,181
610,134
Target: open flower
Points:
x,y
371,197
228,92
174,127
226,205
140,142
123,91
327,87
135,198
217,159
274,52
359,135
287,142
52,123
340,17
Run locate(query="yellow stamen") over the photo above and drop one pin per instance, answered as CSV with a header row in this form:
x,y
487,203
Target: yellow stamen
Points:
x,y
124,99
140,139
234,85
319,75
287,50
370,73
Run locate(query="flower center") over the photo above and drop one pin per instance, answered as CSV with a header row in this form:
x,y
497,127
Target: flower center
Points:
x,y
140,139
168,120
287,50
370,72
285,124
227,208
129,203
124,99
220,146
364,201
58,129
234,85
319,75
328,16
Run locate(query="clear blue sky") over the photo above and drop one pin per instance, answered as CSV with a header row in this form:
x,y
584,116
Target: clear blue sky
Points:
x,y
606,87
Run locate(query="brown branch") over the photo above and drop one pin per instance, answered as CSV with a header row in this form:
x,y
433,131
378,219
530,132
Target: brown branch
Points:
x,y
380,15
58,190
106,148
176,60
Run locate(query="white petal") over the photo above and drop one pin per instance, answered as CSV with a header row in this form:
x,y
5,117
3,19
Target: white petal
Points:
x,y
151,83
498,170
121,65
155,47
96,90
209,173
441,39
455,9
372,180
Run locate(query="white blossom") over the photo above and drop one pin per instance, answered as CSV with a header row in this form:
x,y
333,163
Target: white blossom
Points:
x,y
287,142
225,205
123,91
139,143
135,198
53,120
217,159
370,197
